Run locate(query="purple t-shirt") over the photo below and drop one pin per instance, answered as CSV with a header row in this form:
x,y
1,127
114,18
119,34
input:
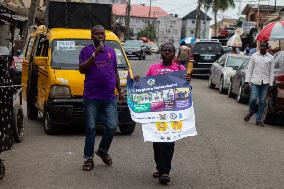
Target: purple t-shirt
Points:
x,y
100,80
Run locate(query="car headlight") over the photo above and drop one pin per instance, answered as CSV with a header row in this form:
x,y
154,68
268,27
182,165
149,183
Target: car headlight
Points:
x,y
60,91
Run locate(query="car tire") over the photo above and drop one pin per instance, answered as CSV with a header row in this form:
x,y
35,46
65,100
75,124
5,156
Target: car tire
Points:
x,y
230,93
127,129
210,84
48,126
240,98
269,118
18,123
221,89
2,169
32,111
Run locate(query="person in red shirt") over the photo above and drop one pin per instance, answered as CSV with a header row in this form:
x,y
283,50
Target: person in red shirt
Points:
x,y
163,151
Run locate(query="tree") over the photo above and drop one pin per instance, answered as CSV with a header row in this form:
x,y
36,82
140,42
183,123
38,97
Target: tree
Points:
x,y
147,31
220,5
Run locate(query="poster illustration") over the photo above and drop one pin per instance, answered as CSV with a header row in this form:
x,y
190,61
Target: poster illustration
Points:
x,y
170,131
161,98
163,104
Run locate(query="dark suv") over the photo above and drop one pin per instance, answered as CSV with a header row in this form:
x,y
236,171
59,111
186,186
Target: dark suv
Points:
x,y
135,48
204,53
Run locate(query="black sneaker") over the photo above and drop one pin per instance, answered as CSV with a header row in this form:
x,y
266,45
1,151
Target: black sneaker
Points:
x,y
259,123
164,179
247,117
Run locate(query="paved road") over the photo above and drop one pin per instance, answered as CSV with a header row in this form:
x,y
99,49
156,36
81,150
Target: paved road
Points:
x,y
227,153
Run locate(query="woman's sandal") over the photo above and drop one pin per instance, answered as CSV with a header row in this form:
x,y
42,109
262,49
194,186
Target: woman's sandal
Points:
x,y
88,165
164,179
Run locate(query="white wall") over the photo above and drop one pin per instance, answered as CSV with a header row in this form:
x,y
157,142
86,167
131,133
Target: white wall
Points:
x,y
136,23
169,30
188,27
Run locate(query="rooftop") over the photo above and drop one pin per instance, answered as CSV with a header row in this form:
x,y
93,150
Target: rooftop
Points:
x,y
139,11
268,8
192,15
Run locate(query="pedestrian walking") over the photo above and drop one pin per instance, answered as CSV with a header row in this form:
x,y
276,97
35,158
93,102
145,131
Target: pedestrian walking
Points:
x,y
260,75
98,63
163,151
234,50
183,57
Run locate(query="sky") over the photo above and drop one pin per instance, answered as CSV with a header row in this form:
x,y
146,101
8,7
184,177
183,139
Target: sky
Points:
x,y
183,7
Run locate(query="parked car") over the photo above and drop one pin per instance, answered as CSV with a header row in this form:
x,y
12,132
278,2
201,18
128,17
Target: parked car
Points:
x,y
237,85
227,49
154,48
148,48
135,48
204,53
275,99
222,70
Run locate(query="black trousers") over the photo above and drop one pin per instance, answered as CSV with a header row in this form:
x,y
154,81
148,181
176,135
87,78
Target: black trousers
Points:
x,y
163,154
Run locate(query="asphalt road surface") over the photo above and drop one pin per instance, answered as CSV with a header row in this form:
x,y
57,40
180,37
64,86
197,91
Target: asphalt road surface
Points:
x,y
227,153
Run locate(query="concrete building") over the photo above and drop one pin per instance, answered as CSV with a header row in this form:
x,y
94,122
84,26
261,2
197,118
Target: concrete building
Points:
x,y
168,29
259,13
189,25
139,15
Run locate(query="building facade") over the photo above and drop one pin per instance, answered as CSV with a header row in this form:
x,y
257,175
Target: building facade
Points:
x,y
259,13
139,16
189,25
168,29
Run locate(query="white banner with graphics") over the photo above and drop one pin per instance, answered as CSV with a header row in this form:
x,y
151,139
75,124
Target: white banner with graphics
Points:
x,y
170,131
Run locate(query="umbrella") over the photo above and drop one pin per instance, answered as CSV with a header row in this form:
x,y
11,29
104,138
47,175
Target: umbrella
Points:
x,y
188,40
235,41
272,31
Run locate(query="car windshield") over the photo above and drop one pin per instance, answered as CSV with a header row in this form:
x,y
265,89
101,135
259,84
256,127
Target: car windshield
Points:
x,y
65,53
207,48
132,44
235,61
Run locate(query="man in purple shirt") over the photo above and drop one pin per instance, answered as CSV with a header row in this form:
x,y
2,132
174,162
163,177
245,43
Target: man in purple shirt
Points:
x,y
98,63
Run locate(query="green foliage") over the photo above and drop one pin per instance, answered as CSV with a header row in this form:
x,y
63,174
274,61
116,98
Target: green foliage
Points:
x,y
148,32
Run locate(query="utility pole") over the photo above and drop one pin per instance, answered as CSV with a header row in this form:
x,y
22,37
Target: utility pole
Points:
x,y
32,15
197,21
275,5
206,7
149,29
127,19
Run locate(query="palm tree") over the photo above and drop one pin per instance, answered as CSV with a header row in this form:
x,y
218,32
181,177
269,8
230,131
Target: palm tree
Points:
x,y
222,5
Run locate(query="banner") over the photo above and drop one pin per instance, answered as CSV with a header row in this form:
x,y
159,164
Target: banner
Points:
x,y
163,104
161,98
170,131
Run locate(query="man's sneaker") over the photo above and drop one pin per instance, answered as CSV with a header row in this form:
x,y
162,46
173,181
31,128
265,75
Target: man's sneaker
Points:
x,y
105,157
164,179
247,117
259,123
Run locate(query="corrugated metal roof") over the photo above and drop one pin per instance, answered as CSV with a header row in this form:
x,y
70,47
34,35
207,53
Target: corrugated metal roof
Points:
x,y
139,11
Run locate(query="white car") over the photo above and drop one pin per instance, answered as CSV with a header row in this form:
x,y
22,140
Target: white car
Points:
x,y
222,70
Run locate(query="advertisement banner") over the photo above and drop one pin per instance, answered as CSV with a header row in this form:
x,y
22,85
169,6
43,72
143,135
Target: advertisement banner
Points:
x,y
170,131
161,98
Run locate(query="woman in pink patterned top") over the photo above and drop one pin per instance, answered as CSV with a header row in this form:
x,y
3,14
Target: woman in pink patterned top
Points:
x,y
163,151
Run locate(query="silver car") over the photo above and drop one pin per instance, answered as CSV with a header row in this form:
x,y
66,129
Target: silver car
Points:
x,y
222,70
